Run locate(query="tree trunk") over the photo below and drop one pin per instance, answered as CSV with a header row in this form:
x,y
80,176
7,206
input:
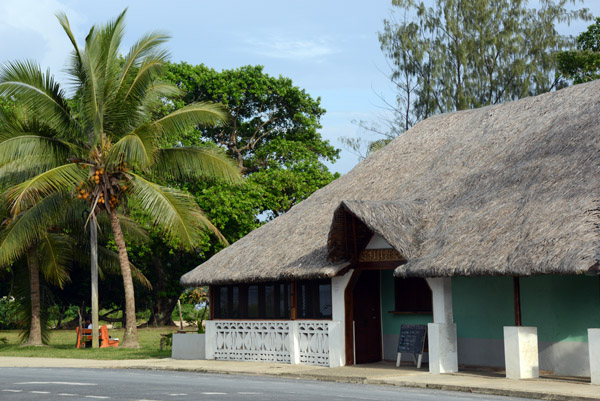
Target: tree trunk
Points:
x,y
164,305
35,330
130,339
161,312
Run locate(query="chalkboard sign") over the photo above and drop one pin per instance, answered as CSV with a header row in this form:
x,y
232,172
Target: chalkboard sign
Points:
x,y
412,337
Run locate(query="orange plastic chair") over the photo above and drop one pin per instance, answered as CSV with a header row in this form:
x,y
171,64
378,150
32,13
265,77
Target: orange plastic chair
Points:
x,y
83,336
105,340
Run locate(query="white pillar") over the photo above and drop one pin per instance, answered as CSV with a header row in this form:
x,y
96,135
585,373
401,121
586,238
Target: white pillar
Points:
x,y
294,338
594,347
337,332
337,352
441,289
210,344
521,352
443,348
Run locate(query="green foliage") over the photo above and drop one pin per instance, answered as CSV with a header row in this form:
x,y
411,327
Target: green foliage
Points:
x,y
9,309
166,341
463,54
104,146
274,137
583,64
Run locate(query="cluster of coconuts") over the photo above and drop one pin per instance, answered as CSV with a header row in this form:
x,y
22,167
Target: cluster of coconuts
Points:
x,y
83,191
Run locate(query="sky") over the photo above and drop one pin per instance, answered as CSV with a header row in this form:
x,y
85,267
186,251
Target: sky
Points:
x,y
328,47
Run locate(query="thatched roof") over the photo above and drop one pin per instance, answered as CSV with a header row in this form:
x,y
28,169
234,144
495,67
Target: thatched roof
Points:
x,y
400,223
511,189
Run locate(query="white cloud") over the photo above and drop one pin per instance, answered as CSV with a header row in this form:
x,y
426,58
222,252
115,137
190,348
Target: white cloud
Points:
x,y
291,49
30,30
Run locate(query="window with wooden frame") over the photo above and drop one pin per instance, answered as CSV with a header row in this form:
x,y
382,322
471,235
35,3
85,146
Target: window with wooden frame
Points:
x,y
412,295
314,299
252,301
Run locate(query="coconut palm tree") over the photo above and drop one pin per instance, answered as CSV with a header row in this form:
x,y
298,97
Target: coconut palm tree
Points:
x,y
30,241
103,146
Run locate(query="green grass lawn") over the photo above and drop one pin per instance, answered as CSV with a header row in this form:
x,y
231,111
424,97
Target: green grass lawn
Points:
x,y
62,345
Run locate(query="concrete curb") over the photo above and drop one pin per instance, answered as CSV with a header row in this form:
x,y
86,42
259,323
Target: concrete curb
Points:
x,y
542,389
395,383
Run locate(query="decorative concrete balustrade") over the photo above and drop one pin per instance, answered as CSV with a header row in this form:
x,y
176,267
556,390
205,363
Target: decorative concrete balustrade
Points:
x,y
310,342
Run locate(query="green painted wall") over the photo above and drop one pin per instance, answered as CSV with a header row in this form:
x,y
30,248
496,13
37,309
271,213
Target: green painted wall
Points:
x,y
482,306
391,322
561,307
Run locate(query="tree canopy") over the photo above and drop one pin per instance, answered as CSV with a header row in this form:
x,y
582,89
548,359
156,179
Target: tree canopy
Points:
x,y
461,54
104,146
274,135
583,64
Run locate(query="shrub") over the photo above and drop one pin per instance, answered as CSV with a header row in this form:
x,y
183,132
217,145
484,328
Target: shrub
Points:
x,y
8,313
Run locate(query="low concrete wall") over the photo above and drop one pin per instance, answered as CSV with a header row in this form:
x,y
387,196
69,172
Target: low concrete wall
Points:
x,y
188,346
567,358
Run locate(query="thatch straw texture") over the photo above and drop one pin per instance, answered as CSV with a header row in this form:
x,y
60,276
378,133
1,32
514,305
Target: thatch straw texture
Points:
x,y
511,189
399,222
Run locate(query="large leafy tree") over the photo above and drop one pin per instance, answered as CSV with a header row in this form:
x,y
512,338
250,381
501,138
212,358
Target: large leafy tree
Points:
x,y
583,64
463,54
274,137
106,146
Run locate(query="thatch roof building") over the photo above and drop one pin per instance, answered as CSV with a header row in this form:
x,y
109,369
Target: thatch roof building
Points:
x,y
511,189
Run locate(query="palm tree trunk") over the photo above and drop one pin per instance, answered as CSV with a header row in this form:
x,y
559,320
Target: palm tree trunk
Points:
x,y
130,339
35,330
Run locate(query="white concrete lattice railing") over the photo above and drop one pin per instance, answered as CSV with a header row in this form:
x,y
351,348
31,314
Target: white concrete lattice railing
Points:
x,y
311,342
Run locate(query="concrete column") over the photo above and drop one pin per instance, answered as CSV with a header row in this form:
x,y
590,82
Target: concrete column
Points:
x,y
337,337
443,355
594,347
521,352
441,289
443,348
337,351
210,339
294,338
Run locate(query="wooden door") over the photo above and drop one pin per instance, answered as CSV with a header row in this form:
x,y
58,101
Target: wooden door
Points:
x,y
367,317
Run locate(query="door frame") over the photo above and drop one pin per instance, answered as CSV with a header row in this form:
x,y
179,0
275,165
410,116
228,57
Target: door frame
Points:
x,y
349,315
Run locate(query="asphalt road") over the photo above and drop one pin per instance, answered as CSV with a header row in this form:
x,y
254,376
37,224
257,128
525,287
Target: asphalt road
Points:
x,y
49,384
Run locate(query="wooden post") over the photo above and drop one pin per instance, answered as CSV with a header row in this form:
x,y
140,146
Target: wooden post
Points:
x,y
517,300
293,301
180,315
211,297
355,257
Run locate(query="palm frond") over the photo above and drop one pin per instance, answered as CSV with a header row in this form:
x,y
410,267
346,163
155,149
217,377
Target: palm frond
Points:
x,y
39,92
193,162
162,89
60,179
56,253
26,146
144,77
140,49
173,211
28,228
203,114
134,233
76,70
24,169
137,148
108,261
